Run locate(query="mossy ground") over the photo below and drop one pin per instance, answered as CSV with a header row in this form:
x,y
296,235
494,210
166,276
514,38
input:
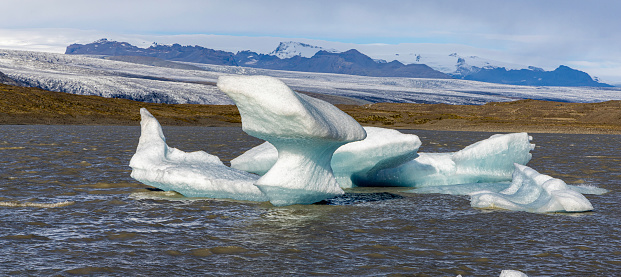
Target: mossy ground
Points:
x,y
21,105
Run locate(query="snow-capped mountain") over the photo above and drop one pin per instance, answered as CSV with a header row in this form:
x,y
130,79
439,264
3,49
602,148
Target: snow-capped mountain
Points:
x,y
451,63
291,49
485,70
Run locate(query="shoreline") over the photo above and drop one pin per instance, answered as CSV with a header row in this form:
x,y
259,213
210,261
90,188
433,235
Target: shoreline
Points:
x,y
32,106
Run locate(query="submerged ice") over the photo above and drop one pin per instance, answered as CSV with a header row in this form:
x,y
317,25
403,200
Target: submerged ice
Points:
x,y
532,191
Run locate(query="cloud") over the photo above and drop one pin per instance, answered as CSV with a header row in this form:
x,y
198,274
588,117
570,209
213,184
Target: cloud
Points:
x,y
546,33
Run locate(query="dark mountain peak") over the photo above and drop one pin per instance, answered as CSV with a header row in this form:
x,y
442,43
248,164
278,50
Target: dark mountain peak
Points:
x,y
534,68
324,53
102,47
353,52
565,68
395,62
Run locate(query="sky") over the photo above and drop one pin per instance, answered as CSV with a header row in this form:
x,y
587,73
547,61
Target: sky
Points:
x,y
585,35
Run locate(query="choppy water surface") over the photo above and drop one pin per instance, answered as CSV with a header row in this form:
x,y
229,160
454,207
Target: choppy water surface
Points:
x,y
68,206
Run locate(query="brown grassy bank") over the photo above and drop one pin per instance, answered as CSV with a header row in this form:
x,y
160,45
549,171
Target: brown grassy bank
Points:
x,y
19,105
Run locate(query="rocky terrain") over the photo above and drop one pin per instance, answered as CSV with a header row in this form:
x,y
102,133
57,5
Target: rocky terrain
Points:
x,y
22,105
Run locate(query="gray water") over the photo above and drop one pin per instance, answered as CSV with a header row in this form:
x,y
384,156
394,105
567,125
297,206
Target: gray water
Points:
x,y
69,207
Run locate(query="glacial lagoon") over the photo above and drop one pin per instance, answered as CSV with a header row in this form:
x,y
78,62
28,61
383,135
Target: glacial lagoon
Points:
x,y
70,207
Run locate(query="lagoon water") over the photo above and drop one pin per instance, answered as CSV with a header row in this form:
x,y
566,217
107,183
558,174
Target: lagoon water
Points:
x,y
68,206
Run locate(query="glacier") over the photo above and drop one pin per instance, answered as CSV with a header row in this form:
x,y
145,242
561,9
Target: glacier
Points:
x,y
532,191
95,75
353,163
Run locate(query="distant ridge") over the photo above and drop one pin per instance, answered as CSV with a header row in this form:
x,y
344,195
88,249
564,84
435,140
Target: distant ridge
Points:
x,y
562,76
296,56
174,52
8,81
350,62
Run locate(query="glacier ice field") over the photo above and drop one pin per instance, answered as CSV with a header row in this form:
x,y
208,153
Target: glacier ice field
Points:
x,y
313,150
96,75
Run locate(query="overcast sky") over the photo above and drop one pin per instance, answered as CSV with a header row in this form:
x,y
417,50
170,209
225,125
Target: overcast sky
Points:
x,y
582,34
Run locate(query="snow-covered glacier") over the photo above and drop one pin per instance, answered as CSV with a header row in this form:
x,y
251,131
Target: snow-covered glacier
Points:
x,y
95,75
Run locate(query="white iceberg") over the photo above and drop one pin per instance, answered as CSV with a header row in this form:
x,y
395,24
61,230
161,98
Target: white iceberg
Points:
x,y
352,163
303,136
532,191
509,273
306,131
195,174
489,160
512,273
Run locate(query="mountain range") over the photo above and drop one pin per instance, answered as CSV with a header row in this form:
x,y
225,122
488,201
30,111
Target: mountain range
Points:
x,y
295,56
349,62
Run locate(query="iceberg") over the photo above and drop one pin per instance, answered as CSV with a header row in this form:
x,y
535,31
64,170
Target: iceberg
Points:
x,y
353,163
311,147
489,160
512,273
532,191
305,131
195,174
